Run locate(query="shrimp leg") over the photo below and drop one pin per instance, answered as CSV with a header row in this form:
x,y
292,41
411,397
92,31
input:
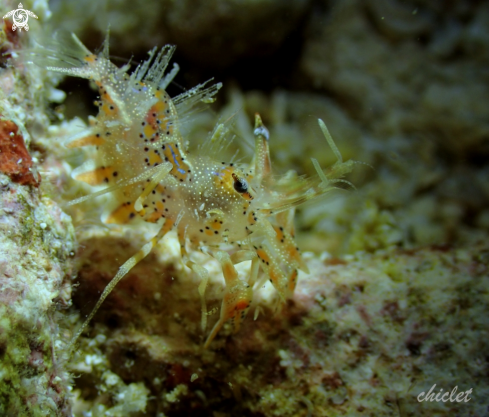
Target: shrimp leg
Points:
x,y
123,271
238,294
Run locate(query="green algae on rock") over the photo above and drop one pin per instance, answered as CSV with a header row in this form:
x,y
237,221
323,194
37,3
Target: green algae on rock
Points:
x,y
37,243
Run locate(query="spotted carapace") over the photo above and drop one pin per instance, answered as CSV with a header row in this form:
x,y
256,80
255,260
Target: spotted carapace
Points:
x,y
233,212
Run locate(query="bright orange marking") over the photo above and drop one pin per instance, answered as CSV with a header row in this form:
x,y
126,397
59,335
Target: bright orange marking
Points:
x,y
97,176
90,59
247,196
157,109
293,280
154,158
280,234
293,253
209,232
157,214
157,113
274,276
167,226
149,130
242,305
263,255
154,217
160,206
108,108
107,98
224,178
229,271
121,215
86,141
216,225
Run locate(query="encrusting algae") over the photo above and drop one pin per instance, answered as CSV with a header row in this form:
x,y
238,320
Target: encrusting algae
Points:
x,y
37,247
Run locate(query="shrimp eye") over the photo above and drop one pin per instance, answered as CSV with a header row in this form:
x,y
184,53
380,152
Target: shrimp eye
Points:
x,y
240,184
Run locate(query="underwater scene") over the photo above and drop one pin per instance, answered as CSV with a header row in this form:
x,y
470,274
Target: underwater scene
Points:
x,y
244,208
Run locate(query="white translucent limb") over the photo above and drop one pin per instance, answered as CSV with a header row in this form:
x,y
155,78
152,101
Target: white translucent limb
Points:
x,y
162,172
123,271
237,295
144,176
330,141
168,78
204,280
263,166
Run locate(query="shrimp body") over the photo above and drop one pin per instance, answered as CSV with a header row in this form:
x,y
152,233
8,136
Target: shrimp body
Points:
x,y
141,157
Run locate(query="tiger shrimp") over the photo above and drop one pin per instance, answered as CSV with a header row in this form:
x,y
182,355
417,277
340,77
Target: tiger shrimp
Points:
x,y
141,158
